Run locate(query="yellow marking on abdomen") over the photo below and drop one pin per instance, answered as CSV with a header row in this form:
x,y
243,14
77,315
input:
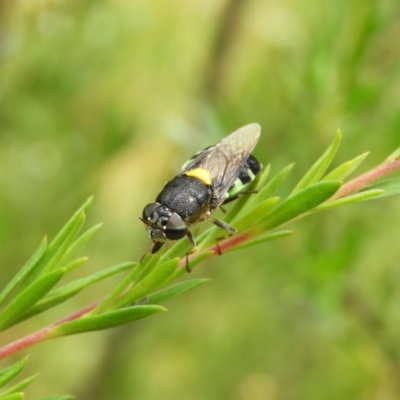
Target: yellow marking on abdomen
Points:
x,y
201,174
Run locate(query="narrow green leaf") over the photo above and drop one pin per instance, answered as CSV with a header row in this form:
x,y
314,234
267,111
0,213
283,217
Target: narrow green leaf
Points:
x,y
318,169
262,197
105,321
264,192
59,239
246,199
79,245
24,271
65,292
262,238
74,264
58,397
19,386
148,265
196,258
394,156
174,291
29,297
389,187
9,373
237,212
180,247
345,169
57,247
261,179
151,282
272,186
209,237
353,198
256,214
14,396
119,290
299,203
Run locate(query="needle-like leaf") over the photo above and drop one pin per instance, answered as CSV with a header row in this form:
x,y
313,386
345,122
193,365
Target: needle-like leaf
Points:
x,y
15,389
29,297
9,373
24,271
106,320
59,246
315,173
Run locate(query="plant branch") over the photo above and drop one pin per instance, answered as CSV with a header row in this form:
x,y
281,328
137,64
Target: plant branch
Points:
x,y
42,334
298,205
363,180
220,247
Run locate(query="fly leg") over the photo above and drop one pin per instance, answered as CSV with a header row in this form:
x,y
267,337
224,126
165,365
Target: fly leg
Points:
x,y
223,225
156,246
217,245
233,198
193,244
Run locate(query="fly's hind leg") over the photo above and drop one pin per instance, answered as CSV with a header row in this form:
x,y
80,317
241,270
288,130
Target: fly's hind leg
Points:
x,y
190,236
217,240
236,196
224,226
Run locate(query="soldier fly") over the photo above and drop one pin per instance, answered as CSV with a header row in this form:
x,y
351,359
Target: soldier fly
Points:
x,y
211,178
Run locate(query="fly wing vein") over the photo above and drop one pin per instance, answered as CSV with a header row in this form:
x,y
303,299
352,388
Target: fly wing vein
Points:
x,y
225,159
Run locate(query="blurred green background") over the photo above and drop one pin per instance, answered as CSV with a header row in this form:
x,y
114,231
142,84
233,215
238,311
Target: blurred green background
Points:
x,y
111,97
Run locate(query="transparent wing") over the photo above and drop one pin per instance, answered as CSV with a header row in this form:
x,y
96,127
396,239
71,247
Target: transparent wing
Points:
x,y
225,158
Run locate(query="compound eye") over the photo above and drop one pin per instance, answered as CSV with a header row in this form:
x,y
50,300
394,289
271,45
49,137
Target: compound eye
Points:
x,y
175,228
149,210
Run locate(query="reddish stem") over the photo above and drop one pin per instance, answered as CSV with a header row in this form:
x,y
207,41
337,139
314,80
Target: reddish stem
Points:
x,y
44,333
221,247
359,183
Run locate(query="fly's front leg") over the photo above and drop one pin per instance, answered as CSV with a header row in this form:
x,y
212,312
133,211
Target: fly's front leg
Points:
x,y
194,248
153,249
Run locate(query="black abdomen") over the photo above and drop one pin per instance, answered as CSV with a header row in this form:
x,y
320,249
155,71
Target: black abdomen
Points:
x,y
251,164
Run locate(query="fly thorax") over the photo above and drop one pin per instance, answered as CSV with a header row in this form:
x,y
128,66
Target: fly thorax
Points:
x,y
188,196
